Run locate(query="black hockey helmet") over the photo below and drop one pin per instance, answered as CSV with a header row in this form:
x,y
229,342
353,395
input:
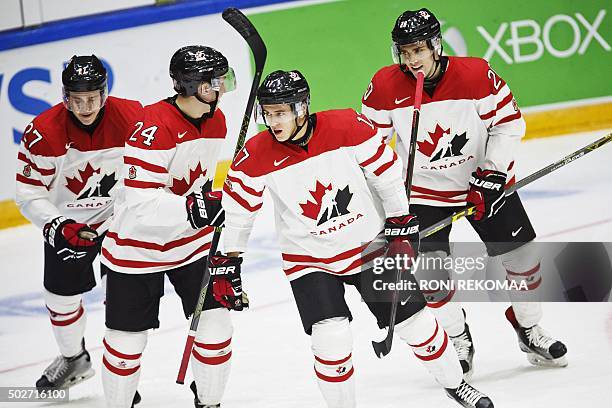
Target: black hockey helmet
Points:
x,y
84,73
194,64
283,87
414,26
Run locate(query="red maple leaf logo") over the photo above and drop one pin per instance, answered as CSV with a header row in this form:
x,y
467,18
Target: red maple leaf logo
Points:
x,y
426,147
75,185
310,209
181,186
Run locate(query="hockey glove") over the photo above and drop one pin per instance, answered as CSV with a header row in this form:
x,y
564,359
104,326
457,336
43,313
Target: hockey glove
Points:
x,y
226,282
486,193
204,208
71,240
402,234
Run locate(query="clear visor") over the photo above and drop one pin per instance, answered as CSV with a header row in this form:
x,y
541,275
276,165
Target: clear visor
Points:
x,y
271,115
84,102
410,53
223,84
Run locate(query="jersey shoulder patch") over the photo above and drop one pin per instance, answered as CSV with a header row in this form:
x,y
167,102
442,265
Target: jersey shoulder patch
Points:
x,y
152,131
344,127
379,91
475,76
46,134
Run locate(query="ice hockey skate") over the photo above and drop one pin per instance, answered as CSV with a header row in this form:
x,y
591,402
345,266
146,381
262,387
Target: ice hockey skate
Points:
x,y
541,348
469,397
196,401
64,372
464,346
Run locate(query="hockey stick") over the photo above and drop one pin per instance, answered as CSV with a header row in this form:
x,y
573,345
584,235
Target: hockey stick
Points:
x,y
245,28
382,348
520,184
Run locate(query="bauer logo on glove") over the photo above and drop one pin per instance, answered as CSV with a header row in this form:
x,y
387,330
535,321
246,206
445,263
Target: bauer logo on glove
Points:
x,y
227,283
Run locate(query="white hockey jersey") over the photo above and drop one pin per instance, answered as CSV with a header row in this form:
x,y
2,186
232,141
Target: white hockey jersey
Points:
x,y
63,170
166,158
471,120
330,200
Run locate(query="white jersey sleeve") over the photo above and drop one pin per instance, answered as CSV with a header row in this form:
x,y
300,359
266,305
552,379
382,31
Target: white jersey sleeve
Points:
x,y
34,176
242,199
146,175
383,171
506,126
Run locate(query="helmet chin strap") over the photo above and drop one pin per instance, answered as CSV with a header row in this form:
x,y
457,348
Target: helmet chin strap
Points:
x,y
297,130
212,105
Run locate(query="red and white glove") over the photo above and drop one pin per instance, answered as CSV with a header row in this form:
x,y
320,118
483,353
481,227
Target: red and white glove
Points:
x,y
486,193
402,234
226,282
72,240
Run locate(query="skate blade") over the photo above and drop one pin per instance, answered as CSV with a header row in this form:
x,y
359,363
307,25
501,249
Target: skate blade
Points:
x,y
79,378
540,361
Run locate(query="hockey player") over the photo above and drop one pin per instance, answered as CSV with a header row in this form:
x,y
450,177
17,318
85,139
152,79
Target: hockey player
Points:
x,y
470,126
163,226
67,169
335,187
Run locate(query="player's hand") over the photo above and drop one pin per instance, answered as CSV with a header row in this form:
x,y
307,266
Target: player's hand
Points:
x,y
204,208
402,234
226,282
486,193
72,240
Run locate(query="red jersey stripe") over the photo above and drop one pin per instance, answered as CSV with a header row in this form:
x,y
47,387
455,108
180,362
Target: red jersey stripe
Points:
x,y
127,263
142,184
355,264
25,180
43,172
508,118
159,247
307,258
386,166
246,188
244,203
500,105
376,156
145,165
439,193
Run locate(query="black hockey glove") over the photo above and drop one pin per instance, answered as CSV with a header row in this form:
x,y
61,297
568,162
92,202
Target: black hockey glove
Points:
x,y
486,193
72,240
204,208
402,234
226,282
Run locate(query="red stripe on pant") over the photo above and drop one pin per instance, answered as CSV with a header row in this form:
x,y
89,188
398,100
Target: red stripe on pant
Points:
x,y
213,346
444,301
528,273
119,354
436,354
54,322
341,378
124,372
211,360
332,362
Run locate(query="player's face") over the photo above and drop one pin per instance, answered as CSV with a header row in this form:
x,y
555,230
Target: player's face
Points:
x,y
282,120
418,56
85,105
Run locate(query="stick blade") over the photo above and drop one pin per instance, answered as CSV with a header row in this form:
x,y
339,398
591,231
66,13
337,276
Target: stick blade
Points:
x,y
381,348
